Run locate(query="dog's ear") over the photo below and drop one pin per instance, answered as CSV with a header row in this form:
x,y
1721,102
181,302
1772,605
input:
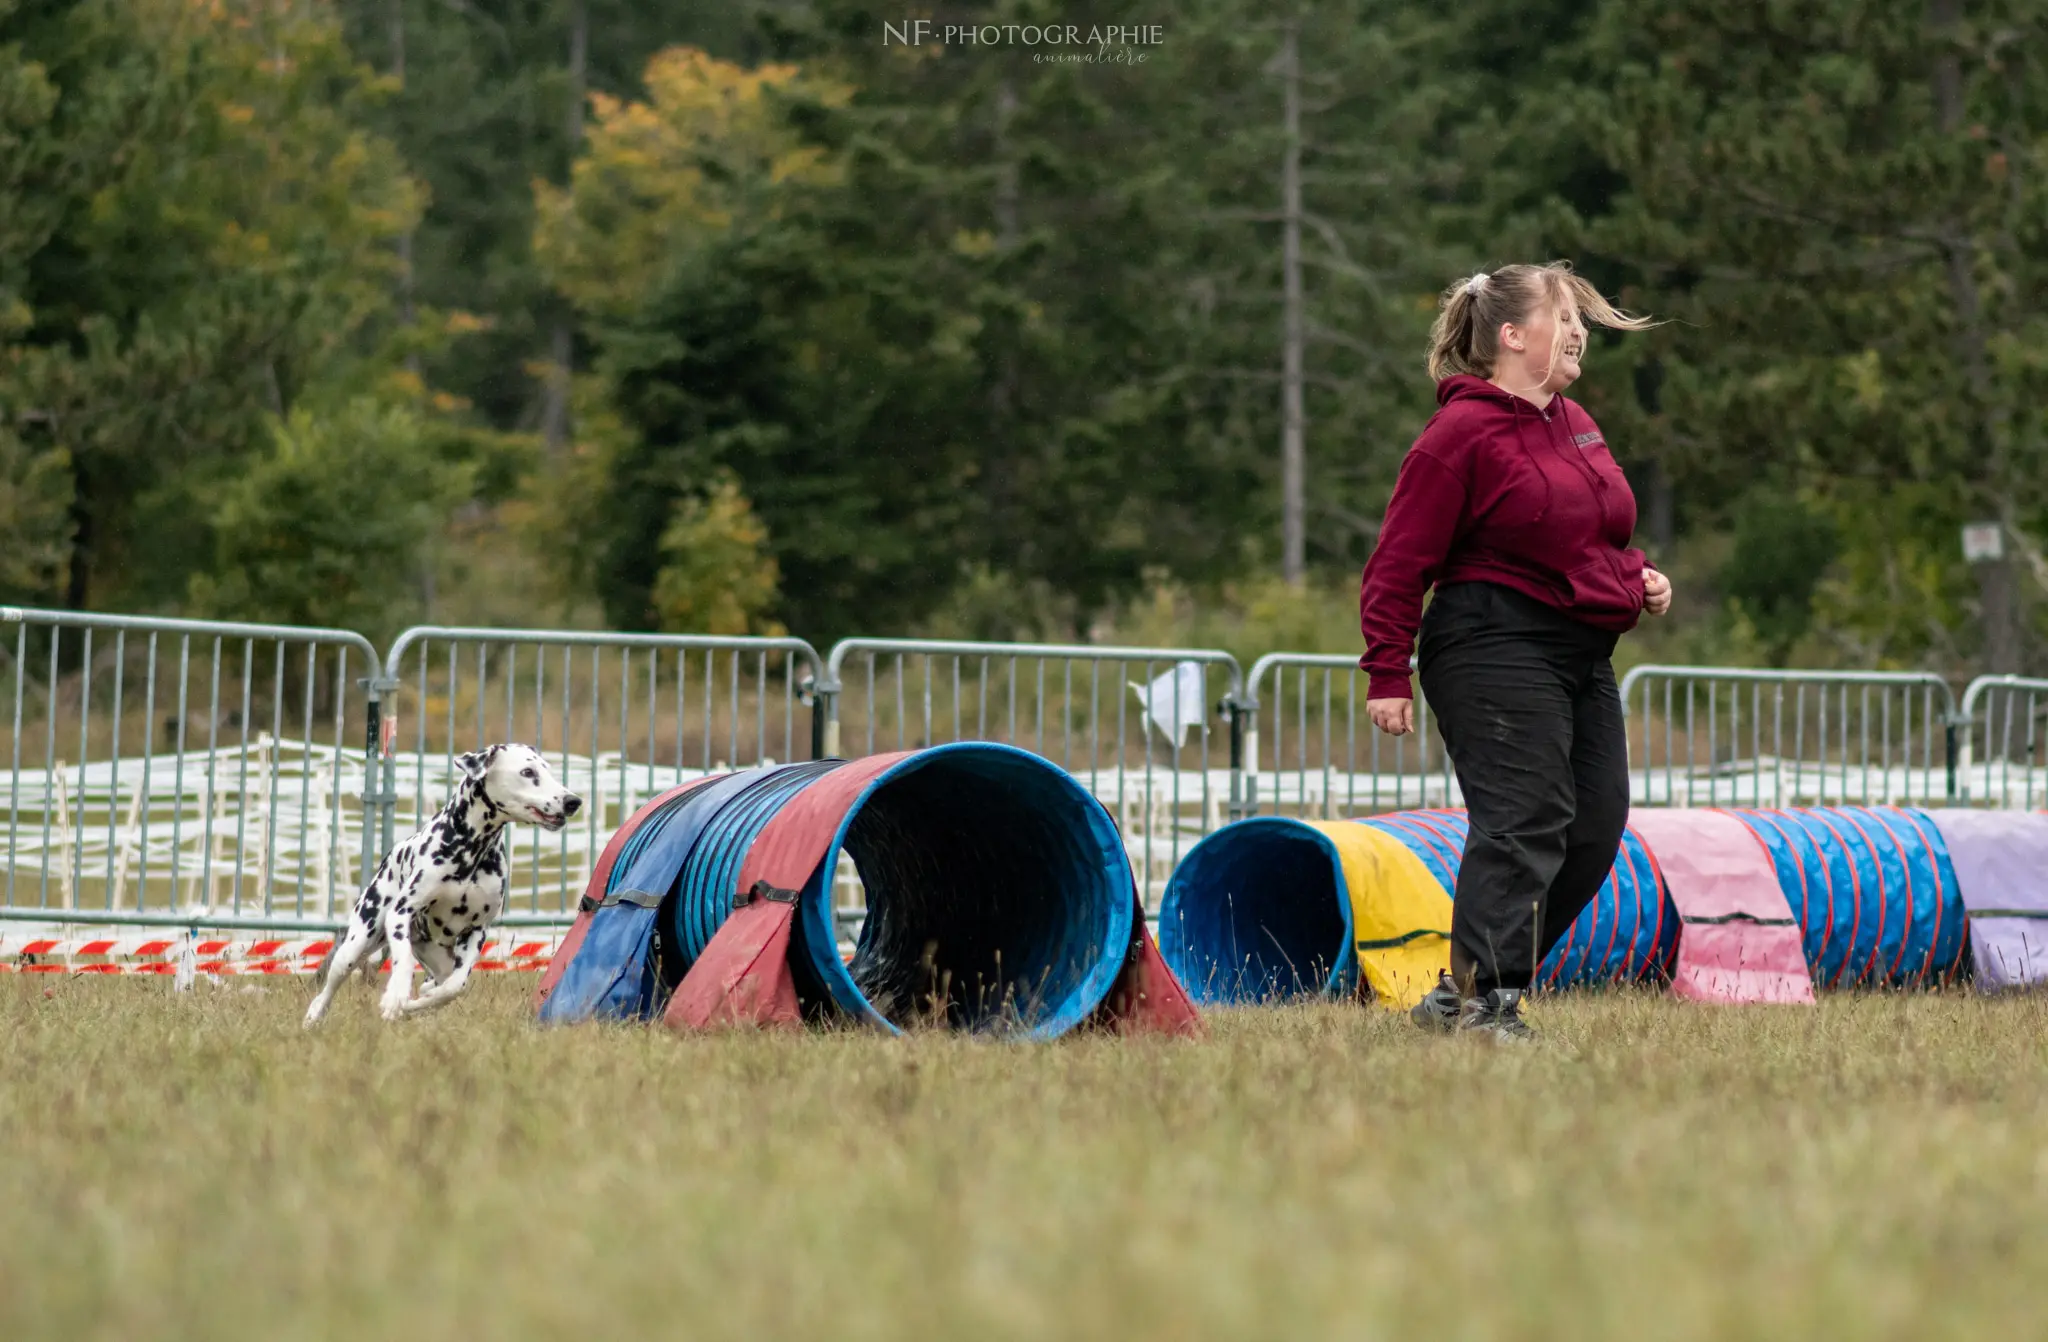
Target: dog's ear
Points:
x,y
476,763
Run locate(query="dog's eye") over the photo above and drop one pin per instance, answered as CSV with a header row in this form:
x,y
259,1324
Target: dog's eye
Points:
x,y
528,773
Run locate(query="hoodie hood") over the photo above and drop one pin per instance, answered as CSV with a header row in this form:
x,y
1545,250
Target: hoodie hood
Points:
x,y
1465,386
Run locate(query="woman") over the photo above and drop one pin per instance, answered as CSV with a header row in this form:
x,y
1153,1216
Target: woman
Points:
x,y
1511,506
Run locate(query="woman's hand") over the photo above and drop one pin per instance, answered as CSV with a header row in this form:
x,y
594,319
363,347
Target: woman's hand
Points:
x,y
1395,717
1656,592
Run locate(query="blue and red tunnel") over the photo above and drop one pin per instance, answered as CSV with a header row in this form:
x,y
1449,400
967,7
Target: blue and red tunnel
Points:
x,y
1728,905
999,898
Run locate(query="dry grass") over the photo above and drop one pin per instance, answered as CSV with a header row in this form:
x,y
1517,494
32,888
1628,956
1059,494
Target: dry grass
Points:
x,y
196,1167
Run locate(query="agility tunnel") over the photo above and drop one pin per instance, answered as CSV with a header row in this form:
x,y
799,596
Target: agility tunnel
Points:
x,y
1269,908
1872,890
2000,860
1725,906
1000,899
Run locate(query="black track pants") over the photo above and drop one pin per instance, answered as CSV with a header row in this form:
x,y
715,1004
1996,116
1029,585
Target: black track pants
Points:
x,y
1525,698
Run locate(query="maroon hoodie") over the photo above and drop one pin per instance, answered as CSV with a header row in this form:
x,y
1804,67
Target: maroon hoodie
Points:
x,y
1496,490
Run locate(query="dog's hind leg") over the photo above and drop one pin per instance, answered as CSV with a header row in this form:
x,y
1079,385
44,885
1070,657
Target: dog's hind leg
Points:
x,y
435,959
467,952
354,947
403,963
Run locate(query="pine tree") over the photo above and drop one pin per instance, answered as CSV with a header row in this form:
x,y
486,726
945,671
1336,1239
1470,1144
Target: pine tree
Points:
x,y
1844,200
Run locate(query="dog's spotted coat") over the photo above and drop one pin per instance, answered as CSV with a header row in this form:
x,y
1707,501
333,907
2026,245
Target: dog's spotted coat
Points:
x,y
436,895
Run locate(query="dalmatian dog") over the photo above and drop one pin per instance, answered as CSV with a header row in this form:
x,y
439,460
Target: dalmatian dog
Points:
x,y
436,895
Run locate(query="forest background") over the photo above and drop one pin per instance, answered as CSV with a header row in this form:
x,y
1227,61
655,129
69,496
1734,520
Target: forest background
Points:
x,y
744,315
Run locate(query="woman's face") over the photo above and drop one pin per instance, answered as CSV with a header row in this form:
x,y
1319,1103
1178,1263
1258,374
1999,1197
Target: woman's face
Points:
x,y
1553,340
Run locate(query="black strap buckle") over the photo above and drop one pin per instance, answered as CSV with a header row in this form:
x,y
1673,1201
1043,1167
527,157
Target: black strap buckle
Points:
x,y
774,894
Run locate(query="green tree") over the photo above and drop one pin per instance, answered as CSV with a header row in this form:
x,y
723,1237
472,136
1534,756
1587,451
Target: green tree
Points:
x,y
324,526
1012,317
481,113
1844,200
211,237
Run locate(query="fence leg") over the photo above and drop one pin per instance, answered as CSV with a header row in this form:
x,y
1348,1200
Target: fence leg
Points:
x,y
380,778
1244,759
824,724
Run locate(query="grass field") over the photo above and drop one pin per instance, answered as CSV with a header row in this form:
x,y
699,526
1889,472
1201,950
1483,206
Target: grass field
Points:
x,y
196,1167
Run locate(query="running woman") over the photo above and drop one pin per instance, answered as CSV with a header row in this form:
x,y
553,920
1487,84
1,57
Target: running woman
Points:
x,y
1512,508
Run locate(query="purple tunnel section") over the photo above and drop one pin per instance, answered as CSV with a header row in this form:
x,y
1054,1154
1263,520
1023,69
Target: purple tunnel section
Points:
x,y
2001,864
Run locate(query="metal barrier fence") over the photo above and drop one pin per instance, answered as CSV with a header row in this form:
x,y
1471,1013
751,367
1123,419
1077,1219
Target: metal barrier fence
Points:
x,y
1725,736
241,776
184,772
2000,761
1143,746
1698,736
1310,752
621,717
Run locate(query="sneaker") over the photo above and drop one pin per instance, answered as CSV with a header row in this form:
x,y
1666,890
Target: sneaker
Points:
x,y
1498,1013
1441,1009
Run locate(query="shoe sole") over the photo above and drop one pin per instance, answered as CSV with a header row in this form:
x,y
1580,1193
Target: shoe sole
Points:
x,y
1434,1022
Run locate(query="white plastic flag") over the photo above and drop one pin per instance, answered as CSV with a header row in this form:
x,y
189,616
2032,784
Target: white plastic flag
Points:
x,y
1173,701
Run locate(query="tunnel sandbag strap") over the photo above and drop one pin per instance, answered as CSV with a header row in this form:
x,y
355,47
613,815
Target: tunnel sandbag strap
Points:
x,y
600,877
645,899
743,976
2001,866
763,890
1694,920
1713,866
1391,942
1397,908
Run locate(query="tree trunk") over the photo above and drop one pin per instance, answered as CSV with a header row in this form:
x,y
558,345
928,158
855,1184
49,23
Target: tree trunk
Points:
x,y
999,485
1659,524
561,340
78,574
1995,586
405,284
1293,466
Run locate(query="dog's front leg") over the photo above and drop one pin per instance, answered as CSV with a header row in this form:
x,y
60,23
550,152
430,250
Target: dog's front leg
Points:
x,y
403,963
359,941
467,952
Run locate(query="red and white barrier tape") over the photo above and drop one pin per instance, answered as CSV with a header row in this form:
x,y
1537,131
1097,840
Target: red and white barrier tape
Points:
x,y
159,953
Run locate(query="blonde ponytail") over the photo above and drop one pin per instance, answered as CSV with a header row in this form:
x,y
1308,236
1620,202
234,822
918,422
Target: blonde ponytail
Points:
x,y
1470,313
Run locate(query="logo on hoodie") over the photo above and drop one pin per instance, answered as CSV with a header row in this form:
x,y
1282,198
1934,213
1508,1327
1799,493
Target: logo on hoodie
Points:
x,y
1588,439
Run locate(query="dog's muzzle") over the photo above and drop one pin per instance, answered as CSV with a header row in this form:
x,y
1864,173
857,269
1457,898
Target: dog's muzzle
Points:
x,y
554,820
